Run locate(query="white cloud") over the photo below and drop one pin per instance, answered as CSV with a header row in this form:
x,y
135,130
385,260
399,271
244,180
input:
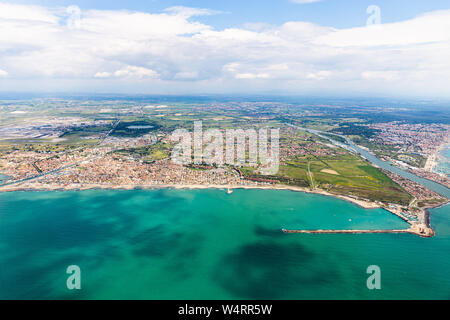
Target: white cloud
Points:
x,y
102,75
380,75
428,28
128,49
319,75
252,76
136,72
26,13
188,12
187,75
130,26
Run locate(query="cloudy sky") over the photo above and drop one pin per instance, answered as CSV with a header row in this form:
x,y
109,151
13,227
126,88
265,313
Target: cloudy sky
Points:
x,y
301,47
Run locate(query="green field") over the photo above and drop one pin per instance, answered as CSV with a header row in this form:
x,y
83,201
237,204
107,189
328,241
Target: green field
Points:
x,y
148,153
347,174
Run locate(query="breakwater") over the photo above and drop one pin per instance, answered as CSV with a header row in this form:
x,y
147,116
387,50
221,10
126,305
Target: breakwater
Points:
x,y
416,229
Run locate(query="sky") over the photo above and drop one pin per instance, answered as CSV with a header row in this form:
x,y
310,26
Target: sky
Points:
x,y
376,48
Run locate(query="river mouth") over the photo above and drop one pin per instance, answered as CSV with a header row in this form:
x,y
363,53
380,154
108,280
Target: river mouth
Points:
x,y
350,145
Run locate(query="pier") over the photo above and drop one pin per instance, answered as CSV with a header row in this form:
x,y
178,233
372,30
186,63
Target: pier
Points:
x,y
417,229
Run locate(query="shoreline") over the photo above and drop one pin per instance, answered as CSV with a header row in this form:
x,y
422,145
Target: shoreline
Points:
x,y
433,159
439,158
420,229
361,203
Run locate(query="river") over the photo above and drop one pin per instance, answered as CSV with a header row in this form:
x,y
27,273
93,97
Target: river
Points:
x,y
434,186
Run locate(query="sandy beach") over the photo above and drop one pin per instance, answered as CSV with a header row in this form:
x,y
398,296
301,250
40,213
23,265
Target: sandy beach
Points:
x,y
433,159
29,186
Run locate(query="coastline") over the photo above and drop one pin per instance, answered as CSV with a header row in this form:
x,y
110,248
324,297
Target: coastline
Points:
x,y
32,187
440,157
359,202
433,159
422,229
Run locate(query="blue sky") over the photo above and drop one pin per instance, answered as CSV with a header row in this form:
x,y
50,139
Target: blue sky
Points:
x,y
335,13
206,46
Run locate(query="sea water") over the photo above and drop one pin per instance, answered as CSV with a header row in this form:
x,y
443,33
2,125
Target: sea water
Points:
x,y
207,244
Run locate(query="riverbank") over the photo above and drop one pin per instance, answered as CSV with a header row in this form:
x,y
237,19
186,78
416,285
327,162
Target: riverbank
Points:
x,y
4,178
366,154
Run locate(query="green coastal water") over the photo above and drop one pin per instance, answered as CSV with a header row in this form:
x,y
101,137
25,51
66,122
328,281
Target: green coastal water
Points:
x,y
206,244
443,165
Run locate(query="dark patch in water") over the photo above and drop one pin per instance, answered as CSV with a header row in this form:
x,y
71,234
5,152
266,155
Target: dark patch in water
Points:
x,y
269,270
184,259
55,229
178,249
262,231
35,281
155,241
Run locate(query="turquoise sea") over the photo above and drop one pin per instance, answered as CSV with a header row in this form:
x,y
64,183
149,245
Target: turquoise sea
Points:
x,y
206,244
443,165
